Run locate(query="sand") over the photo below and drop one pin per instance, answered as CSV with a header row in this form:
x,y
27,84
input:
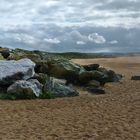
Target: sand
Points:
x,y
113,116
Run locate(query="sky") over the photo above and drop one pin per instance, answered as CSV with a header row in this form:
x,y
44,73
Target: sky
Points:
x,y
71,25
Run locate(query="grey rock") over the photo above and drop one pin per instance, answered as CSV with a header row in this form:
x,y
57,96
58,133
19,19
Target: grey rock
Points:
x,y
11,71
31,88
59,89
113,77
110,76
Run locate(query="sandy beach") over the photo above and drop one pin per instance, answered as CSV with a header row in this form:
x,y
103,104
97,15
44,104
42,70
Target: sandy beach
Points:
x,y
113,116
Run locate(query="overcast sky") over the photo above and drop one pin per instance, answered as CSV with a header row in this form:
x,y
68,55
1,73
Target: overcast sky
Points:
x,y
71,25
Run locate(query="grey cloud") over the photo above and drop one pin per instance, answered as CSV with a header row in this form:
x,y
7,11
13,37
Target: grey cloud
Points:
x,y
119,4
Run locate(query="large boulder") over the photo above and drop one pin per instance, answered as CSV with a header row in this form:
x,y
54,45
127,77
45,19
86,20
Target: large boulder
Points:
x,y
111,76
25,89
64,69
86,76
11,71
59,89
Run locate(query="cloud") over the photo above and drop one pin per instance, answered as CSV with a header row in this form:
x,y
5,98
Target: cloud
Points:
x,y
113,42
24,38
76,35
105,13
52,41
96,38
82,39
80,43
47,24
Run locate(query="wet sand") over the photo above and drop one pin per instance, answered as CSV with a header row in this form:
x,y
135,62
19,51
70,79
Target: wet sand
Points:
x,y
113,116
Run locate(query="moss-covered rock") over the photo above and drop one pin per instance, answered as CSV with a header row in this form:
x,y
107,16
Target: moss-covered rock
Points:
x,y
21,55
86,76
64,69
3,49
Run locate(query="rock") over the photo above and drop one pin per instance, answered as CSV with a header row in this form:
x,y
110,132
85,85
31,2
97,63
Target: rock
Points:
x,y
59,89
3,49
64,69
96,90
1,57
37,86
5,54
93,83
86,76
135,78
91,67
41,77
60,81
41,67
111,76
11,71
49,85
24,88
17,55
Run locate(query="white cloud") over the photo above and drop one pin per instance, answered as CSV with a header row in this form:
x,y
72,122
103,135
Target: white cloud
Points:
x,y
82,39
76,35
50,3
113,42
96,38
80,43
52,41
24,38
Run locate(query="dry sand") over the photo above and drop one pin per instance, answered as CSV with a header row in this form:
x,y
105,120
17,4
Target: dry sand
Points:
x,y
113,116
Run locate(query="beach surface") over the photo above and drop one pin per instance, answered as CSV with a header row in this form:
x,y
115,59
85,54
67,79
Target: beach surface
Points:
x,y
112,116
